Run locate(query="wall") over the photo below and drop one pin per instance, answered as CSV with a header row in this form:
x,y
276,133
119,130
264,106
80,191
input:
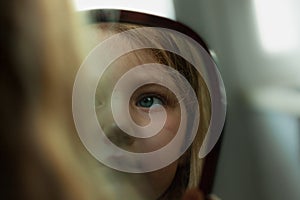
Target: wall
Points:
x,y
260,153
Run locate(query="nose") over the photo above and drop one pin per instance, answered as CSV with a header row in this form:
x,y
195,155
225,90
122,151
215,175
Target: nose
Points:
x,y
117,136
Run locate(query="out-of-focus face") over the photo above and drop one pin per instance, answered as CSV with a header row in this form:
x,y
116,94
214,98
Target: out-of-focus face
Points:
x,y
148,98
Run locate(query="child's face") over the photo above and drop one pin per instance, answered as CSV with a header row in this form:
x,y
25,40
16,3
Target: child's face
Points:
x,y
150,96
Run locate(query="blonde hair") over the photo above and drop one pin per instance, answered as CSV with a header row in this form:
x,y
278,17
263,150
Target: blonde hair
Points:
x,y
189,170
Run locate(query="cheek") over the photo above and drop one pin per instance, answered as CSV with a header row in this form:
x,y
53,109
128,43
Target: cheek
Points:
x,y
166,134
172,122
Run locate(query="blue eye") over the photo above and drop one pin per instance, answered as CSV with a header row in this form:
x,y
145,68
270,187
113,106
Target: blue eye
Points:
x,y
149,101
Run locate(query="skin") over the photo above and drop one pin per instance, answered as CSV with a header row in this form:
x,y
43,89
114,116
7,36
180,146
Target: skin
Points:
x,y
151,185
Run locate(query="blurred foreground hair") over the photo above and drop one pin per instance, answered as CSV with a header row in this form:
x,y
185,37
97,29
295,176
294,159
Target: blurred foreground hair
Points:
x,y
42,156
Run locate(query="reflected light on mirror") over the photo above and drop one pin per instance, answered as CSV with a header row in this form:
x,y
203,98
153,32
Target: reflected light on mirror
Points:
x,y
276,24
163,8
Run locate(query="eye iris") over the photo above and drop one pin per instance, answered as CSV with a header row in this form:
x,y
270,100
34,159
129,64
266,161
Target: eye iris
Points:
x,y
146,102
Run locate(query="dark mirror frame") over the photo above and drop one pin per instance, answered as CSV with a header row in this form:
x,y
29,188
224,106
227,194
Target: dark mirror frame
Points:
x,y
124,16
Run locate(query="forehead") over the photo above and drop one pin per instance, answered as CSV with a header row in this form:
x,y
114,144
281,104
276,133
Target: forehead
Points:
x,y
129,61
142,69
